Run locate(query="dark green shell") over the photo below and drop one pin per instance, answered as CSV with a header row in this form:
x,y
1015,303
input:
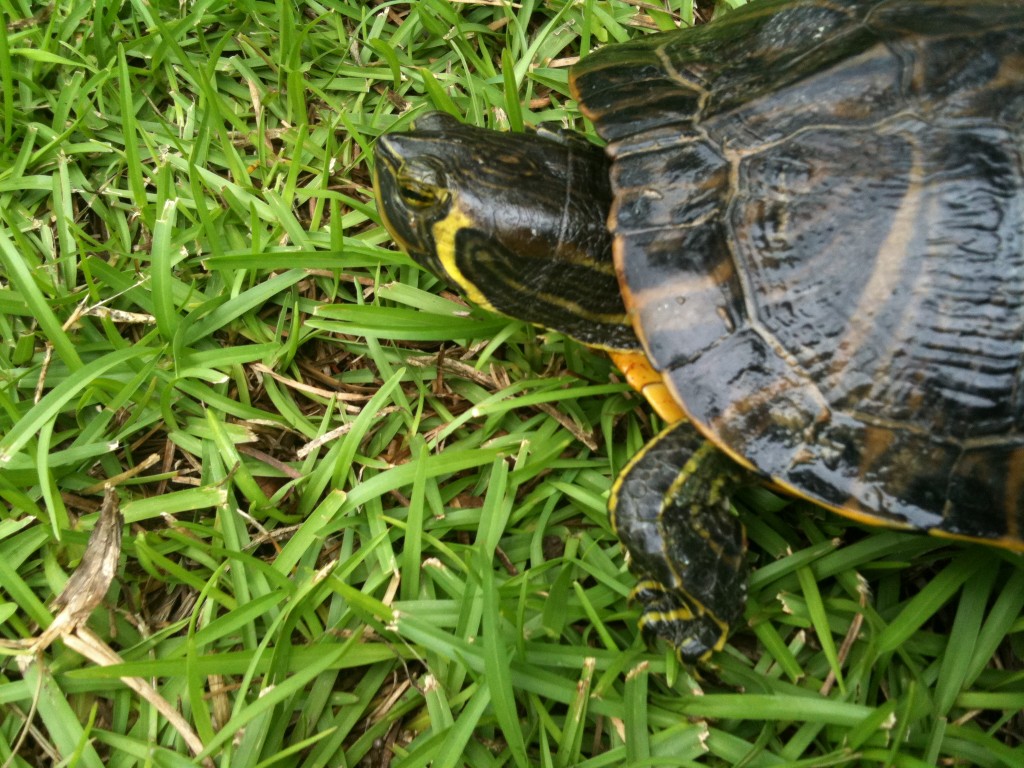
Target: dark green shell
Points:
x,y
819,225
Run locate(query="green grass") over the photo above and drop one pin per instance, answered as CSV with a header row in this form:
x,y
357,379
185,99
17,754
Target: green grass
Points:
x,y
365,524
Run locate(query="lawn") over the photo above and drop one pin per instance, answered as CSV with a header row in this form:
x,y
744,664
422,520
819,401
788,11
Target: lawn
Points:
x,y
364,522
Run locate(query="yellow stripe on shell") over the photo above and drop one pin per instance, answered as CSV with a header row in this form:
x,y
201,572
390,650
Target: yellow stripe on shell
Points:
x,y
640,375
1005,542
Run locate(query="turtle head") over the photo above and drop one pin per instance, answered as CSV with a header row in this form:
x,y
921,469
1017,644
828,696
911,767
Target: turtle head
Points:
x,y
413,188
456,198
516,221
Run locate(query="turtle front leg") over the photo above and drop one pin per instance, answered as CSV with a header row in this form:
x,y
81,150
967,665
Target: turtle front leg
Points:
x,y
670,508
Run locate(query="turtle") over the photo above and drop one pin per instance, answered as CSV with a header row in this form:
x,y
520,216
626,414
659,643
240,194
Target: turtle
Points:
x,y
802,240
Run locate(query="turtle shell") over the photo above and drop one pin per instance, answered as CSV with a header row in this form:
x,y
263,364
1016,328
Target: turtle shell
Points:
x,y
819,232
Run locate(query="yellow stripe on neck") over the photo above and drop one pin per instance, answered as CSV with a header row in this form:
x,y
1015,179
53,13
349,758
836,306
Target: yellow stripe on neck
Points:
x,y
445,232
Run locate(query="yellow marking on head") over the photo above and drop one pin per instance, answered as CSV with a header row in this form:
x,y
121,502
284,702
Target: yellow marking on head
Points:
x,y
445,231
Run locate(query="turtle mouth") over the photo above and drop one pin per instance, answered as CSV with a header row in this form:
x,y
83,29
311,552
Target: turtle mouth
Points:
x,y
385,169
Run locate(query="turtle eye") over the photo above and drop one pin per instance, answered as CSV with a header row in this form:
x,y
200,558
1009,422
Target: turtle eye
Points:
x,y
421,183
417,194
